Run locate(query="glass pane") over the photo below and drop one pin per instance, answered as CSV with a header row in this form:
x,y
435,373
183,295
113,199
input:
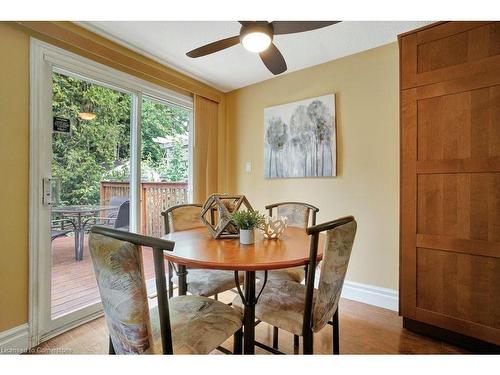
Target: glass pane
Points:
x,y
91,174
164,161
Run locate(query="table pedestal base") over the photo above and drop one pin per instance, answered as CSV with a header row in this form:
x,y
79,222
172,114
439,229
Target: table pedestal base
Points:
x,y
249,301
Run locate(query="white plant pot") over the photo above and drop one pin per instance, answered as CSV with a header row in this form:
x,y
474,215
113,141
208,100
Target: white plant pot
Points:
x,y
247,236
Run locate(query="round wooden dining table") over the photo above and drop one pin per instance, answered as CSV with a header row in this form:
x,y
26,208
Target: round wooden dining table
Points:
x,y
196,248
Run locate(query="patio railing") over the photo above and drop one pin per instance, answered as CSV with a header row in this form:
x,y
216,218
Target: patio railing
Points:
x,y
155,198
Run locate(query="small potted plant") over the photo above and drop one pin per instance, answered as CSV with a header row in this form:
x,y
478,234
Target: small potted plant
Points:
x,y
246,222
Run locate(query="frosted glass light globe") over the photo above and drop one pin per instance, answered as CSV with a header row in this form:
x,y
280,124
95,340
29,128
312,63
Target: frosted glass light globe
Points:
x,y
256,41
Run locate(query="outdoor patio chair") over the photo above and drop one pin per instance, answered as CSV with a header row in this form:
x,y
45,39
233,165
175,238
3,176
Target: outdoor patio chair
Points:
x,y
122,220
302,309
111,215
200,282
181,325
58,229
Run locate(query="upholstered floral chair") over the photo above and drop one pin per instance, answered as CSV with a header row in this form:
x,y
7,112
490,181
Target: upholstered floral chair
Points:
x,y
180,325
302,309
200,282
298,214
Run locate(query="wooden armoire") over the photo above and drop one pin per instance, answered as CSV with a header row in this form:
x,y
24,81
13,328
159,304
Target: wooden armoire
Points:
x,y
450,182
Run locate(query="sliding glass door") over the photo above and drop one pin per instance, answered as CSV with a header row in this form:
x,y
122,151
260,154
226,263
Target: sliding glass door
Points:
x,y
90,148
107,149
165,160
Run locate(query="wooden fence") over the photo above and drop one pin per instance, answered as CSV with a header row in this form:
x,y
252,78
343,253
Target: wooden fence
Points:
x,y
155,198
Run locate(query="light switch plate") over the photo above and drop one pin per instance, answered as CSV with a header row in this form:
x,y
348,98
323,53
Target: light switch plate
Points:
x,y
248,166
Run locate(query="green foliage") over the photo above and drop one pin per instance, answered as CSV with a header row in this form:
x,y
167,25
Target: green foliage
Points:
x,y
177,169
159,120
99,149
247,219
81,157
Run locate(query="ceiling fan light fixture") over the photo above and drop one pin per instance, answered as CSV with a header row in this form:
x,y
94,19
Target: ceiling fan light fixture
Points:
x,y
256,41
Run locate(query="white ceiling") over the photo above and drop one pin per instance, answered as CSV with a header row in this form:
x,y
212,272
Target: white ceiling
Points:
x,y
168,42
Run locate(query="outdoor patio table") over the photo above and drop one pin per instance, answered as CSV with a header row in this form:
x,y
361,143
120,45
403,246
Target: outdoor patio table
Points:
x,y
196,248
78,216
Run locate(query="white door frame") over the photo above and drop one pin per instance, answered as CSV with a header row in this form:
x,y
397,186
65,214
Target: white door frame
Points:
x,y
44,59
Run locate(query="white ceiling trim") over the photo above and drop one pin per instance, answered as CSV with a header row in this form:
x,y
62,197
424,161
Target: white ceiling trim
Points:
x,y
87,25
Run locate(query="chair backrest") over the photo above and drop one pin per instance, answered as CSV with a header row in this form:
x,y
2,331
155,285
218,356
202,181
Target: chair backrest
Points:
x,y
117,260
120,278
116,201
336,253
123,216
182,217
297,213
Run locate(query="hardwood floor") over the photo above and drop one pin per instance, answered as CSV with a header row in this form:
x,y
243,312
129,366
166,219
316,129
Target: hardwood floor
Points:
x,y
364,329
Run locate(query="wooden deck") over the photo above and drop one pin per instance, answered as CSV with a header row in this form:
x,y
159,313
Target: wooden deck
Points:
x,y
73,282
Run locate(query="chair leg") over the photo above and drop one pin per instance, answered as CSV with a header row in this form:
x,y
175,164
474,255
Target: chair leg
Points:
x,y
170,283
111,347
216,297
336,345
307,339
275,337
238,342
296,344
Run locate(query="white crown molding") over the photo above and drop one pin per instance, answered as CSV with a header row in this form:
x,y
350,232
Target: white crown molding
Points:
x,y
130,46
15,340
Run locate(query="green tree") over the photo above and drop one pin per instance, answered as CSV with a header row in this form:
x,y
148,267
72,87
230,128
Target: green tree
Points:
x,y
160,120
95,148
177,169
80,158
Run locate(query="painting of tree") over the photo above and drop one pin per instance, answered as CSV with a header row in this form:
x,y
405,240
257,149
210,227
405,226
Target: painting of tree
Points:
x,y
300,139
277,137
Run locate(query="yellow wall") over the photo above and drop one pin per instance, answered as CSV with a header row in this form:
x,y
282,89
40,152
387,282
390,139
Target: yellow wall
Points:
x,y
367,185
14,156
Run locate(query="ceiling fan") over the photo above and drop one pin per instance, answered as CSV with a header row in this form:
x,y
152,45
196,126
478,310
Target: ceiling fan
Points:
x,y
257,36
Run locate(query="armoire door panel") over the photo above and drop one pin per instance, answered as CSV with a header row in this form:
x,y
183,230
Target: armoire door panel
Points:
x,y
459,205
462,286
476,43
463,125
447,29
447,51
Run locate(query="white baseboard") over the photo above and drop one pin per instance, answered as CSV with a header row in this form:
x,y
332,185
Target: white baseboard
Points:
x,y
371,295
14,340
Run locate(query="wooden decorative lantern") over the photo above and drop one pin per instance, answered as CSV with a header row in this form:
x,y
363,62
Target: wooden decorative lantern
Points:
x,y
216,211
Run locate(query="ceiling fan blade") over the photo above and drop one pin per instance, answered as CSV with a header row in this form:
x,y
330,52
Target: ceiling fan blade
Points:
x,y
219,45
290,27
273,60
